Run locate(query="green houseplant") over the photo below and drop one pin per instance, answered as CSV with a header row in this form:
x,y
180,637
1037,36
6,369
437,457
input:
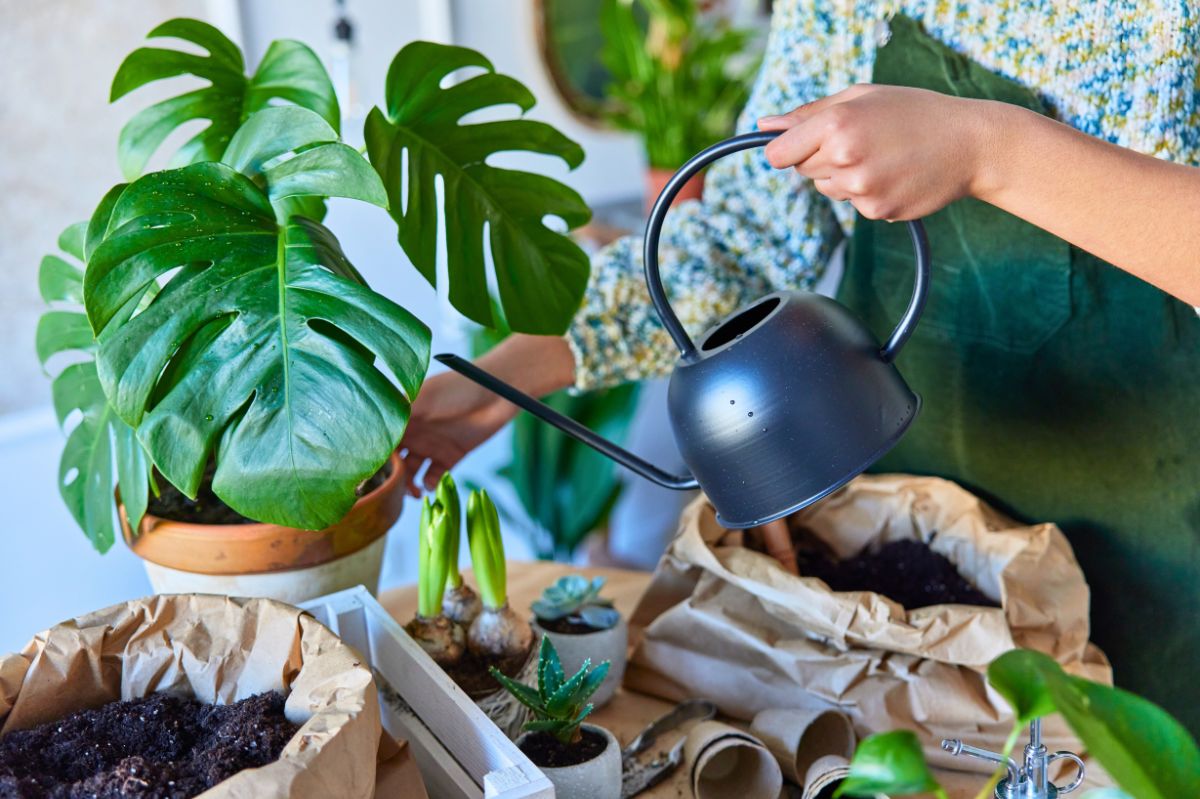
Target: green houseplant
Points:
x,y
1149,754
230,352
679,79
584,627
582,760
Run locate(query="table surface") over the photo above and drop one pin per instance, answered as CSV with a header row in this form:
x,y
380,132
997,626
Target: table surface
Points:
x,y
628,712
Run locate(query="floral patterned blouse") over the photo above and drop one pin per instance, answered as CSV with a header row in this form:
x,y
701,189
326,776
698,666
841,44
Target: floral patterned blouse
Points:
x,y
1122,70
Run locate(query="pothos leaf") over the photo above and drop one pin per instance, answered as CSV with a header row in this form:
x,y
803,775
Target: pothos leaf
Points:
x,y
85,470
540,273
1020,677
289,71
264,343
891,763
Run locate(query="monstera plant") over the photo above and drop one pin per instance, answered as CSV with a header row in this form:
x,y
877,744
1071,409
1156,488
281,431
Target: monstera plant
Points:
x,y
225,337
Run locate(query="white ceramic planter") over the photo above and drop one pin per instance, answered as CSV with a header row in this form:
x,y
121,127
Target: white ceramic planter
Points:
x,y
611,645
598,778
295,586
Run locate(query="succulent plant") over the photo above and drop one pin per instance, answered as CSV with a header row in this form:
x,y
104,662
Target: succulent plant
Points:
x,y
559,704
575,598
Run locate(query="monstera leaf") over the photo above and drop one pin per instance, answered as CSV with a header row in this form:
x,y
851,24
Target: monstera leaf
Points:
x,y
289,71
85,470
263,346
540,274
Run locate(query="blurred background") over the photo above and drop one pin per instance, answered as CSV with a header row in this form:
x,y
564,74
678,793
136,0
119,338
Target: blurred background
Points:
x,y
58,133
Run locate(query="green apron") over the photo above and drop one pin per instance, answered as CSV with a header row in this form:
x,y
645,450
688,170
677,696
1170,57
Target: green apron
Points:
x,y
1057,387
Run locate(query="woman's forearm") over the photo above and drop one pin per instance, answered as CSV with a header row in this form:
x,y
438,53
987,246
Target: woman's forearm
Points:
x,y
1137,212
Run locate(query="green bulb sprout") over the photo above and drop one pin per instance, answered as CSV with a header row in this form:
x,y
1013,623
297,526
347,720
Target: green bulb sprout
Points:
x,y
438,635
497,635
459,602
559,705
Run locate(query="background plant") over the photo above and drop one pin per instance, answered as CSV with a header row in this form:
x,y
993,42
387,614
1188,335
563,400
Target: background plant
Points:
x,y
559,704
228,328
565,487
577,598
1147,752
679,80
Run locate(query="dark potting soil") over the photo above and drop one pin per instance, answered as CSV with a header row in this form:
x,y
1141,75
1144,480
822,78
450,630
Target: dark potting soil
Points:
x,y
908,572
548,752
471,673
207,508
568,625
163,746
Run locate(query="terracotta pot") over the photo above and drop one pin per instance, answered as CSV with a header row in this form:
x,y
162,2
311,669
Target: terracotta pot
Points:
x,y
597,646
656,181
598,778
269,560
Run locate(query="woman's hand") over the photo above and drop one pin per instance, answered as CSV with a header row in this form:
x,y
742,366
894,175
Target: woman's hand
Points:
x,y
895,153
452,415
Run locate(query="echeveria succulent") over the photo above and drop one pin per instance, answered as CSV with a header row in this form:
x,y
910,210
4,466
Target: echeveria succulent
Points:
x,y
575,597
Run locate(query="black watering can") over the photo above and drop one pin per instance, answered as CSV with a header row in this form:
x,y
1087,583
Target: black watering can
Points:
x,y
781,404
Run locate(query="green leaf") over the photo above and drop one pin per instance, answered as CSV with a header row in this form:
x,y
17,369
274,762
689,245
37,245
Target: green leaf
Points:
x,y
540,273
566,698
86,477
593,680
289,71
550,671
1147,752
521,692
1019,676
264,347
890,763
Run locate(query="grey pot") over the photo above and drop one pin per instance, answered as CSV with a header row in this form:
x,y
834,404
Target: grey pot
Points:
x,y
598,778
611,645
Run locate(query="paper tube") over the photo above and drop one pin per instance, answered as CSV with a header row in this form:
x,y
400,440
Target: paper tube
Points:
x,y
724,761
799,737
825,774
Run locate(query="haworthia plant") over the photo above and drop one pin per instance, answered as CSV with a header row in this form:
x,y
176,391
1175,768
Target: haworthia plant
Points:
x,y
289,71
265,346
418,137
99,438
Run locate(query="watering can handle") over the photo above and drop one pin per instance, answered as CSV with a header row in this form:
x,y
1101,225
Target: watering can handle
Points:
x,y
746,141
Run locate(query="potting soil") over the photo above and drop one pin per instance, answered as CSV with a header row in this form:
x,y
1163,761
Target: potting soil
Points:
x,y
547,751
162,746
908,572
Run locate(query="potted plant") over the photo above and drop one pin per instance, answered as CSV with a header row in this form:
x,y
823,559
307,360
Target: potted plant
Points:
x,y
679,80
248,385
583,626
582,760
1147,753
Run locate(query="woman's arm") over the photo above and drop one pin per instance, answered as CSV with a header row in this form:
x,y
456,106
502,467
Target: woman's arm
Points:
x,y
900,153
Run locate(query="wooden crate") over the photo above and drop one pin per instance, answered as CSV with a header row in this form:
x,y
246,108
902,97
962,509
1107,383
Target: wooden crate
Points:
x,y
461,753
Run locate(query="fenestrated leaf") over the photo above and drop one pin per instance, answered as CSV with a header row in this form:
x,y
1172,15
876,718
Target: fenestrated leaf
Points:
x,y
540,273
264,344
289,71
85,470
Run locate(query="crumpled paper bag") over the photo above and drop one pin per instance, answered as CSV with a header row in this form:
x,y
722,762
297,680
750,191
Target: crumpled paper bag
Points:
x,y
219,650
725,623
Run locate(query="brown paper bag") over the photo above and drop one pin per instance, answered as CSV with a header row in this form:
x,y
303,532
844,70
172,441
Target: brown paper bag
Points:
x,y
729,624
217,649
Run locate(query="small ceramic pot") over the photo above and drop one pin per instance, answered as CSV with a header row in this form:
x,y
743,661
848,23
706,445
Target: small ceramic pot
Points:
x,y
598,778
611,645
268,560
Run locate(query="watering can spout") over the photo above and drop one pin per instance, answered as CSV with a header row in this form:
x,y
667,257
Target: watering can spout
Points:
x,y
568,425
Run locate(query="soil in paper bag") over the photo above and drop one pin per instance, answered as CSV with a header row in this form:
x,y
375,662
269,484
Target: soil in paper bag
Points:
x,y
162,746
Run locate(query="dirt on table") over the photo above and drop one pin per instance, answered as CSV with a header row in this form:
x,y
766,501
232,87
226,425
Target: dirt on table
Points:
x,y
546,751
207,507
160,747
906,571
